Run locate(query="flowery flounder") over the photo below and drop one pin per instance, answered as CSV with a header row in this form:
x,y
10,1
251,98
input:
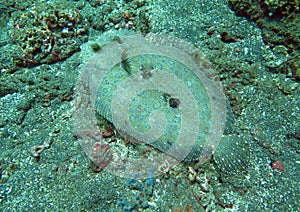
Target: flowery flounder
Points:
x,y
160,91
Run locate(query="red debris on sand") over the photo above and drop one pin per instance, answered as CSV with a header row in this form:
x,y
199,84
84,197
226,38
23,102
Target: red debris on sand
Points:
x,y
96,148
101,154
108,132
277,165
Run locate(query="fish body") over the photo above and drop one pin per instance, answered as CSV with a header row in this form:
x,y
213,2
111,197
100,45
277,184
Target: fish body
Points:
x,y
166,94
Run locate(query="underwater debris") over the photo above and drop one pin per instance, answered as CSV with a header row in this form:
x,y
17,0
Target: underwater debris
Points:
x,y
37,150
277,165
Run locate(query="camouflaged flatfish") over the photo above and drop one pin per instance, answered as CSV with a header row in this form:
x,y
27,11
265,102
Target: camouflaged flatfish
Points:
x,y
161,91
